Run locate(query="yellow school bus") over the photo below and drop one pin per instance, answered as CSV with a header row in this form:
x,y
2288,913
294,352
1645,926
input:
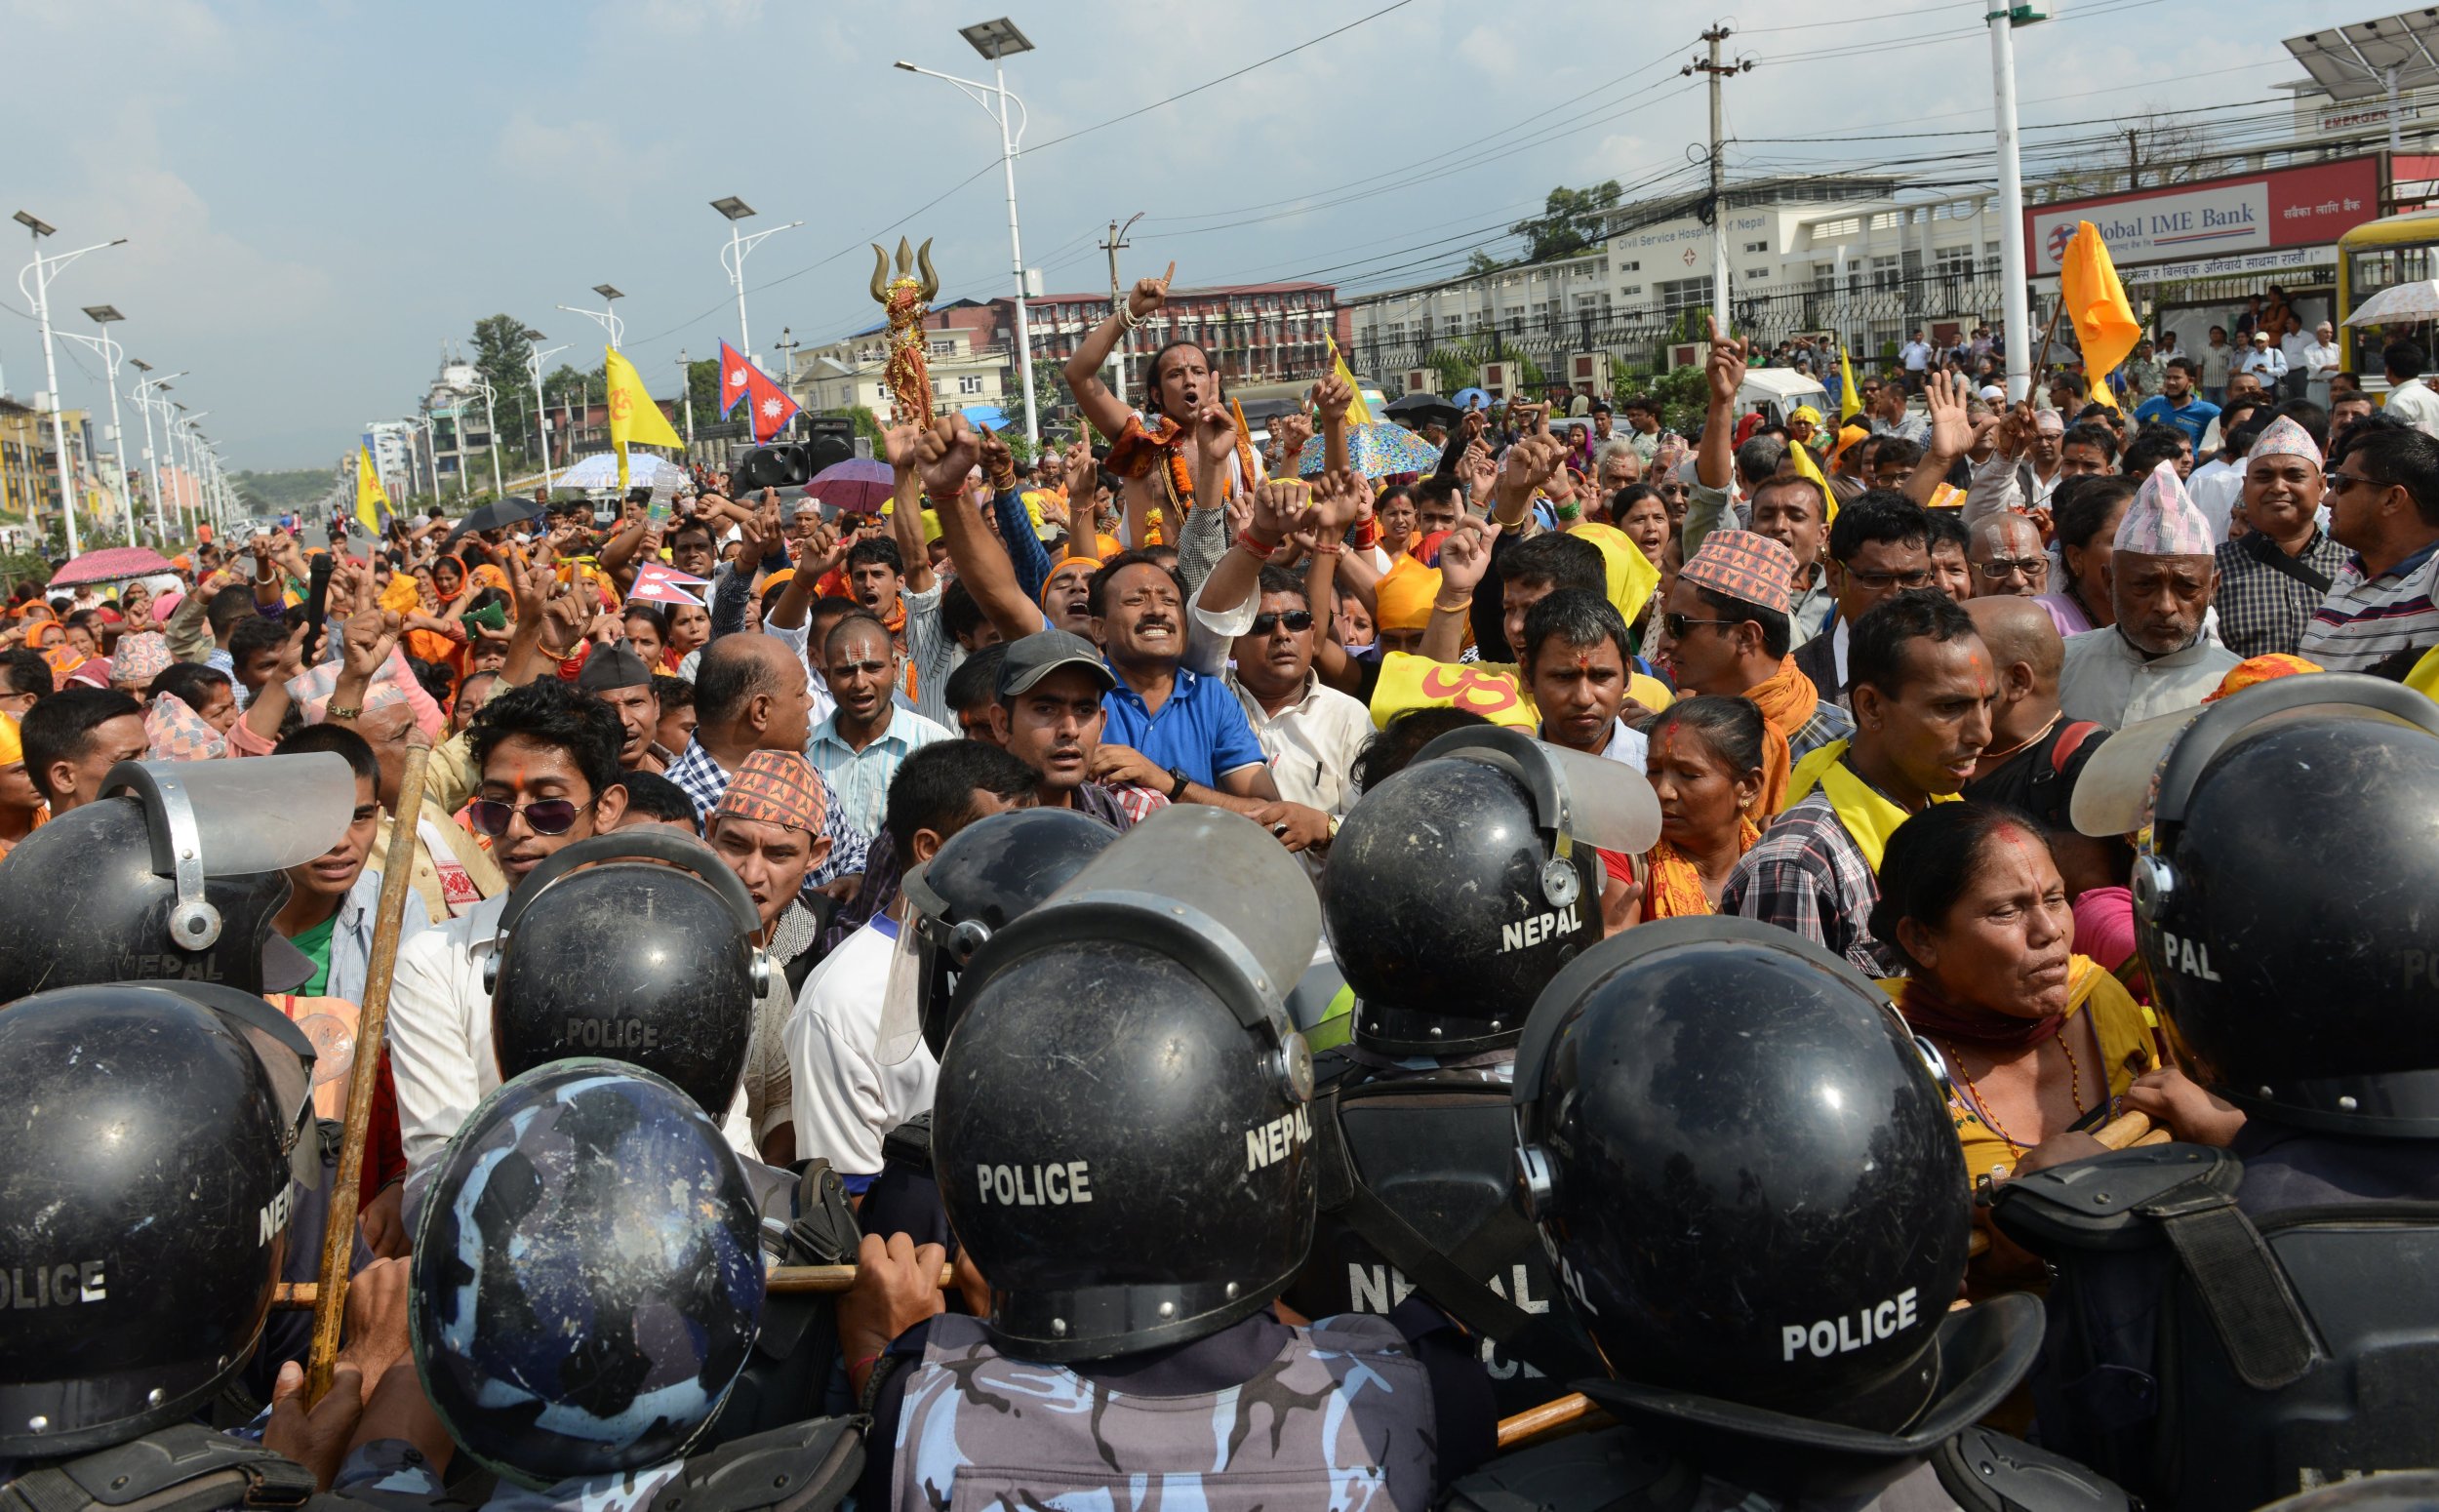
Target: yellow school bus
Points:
x,y
2374,256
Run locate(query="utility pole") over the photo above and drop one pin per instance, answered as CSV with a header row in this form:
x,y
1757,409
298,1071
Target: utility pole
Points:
x,y
1719,233
2015,299
1116,244
685,389
2134,161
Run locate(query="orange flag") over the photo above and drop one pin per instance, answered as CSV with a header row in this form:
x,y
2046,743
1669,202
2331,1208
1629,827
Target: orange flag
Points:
x,y
2096,301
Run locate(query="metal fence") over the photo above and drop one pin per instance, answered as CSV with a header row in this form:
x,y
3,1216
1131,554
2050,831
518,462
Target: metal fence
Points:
x,y
1870,322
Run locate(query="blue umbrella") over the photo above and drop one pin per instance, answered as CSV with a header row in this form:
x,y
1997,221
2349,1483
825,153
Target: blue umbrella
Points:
x,y
980,415
1470,399
1378,450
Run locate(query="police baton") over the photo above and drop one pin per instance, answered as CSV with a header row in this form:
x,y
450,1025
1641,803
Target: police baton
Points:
x,y
778,1281
339,1239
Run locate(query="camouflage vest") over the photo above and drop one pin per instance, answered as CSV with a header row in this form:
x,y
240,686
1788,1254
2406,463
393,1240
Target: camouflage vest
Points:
x,y
1341,1418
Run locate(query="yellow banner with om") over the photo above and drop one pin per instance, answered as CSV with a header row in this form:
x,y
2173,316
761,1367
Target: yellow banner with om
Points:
x,y
1410,682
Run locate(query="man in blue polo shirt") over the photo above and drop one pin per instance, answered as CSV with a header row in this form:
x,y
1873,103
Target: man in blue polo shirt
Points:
x,y
2177,403
1170,729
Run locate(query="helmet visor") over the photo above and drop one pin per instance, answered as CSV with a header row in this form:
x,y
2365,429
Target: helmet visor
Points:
x,y
906,995
263,814
291,1063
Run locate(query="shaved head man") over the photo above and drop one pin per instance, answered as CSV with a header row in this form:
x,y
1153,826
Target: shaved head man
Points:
x,y
2008,558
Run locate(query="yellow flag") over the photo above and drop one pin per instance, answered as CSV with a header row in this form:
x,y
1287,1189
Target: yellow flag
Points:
x,y
370,499
1810,471
2096,301
1358,412
1632,577
633,418
1850,403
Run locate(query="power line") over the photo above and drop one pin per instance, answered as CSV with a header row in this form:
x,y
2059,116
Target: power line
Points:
x,y
1225,77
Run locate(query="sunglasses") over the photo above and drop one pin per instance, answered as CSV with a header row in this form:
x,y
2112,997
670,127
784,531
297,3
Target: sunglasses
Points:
x,y
1296,619
2339,481
1675,624
1881,582
2000,569
544,817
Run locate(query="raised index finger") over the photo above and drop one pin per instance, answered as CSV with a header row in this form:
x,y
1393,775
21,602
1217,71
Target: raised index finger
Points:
x,y
1171,274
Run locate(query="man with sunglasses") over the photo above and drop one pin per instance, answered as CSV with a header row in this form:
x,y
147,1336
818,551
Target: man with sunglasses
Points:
x,y
2383,504
1879,548
548,760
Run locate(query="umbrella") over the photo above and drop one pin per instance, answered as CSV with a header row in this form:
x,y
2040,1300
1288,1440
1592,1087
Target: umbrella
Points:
x,y
601,472
859,482
1421,410
992,415
2416,301
1378,450
1470,399
498,514
112,563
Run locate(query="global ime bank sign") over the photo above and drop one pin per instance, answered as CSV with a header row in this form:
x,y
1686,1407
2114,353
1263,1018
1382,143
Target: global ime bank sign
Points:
x,y
2286,207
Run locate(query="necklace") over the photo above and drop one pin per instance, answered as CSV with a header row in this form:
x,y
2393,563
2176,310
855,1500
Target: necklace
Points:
x,y
2029,739
1982,1109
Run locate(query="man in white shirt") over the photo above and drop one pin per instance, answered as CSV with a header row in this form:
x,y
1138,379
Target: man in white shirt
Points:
x,y
2265,361
2409,399
2157,657
845,1099
1916,356
549,763
2320,359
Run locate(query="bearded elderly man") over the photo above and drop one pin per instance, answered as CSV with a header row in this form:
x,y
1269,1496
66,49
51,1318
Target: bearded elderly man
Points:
x,y
2162,573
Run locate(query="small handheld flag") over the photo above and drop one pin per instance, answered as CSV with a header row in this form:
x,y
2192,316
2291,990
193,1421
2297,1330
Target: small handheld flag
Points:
x,y
769,408
1357,413
2096,301
658,583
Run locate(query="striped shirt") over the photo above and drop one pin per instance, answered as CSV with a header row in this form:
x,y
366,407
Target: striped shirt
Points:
x,y
2365,620
858,780
1806,874
2263,610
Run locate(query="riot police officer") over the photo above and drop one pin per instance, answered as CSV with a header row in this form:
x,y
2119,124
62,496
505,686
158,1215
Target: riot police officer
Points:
x,y
2271,1323
638,947
1745,1173
586,1289
1455,891
981,880
174,873
154,1139
1124,1135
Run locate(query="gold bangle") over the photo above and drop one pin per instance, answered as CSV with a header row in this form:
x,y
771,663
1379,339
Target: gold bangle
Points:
x,y
1457,608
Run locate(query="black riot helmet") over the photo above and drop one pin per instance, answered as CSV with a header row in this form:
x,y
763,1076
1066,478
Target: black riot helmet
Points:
x,y
1747,1176
2318,1005
1122,1127
1460,885
174,873
976,885
587,1280
151,1139
637,946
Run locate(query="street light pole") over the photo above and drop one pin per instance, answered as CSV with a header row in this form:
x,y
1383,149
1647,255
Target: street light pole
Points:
x,y
144,403
997,40
2014,301
607,318
39,296
534,354
686,394
111,354
733,259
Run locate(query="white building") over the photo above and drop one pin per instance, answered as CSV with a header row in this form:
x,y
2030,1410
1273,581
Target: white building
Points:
x,y
1804,255
853,371
395,450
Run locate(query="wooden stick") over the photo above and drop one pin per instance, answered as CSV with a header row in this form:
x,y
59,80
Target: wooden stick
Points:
x,y
779,1280
338,1238
1568,1413
2124,1131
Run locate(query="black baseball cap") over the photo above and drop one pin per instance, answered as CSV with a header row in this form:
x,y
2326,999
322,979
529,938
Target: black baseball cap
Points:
x,y
1037,655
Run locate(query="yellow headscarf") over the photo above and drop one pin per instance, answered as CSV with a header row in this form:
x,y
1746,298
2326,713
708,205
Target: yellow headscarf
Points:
x,y
1405,596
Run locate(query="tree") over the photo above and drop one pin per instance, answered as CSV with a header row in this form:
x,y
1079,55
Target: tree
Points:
x,y
2155,149
1482,263
500,356
1570,222
703,386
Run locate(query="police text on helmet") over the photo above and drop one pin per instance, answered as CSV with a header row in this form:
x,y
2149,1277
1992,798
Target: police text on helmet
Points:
x,y
614,1034
52,1285
1836,1335
1035,1187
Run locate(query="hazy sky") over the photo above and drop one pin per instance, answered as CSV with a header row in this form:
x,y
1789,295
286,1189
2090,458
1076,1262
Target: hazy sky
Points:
x,y
319,192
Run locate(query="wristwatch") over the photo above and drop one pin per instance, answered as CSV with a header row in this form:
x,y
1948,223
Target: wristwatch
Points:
x,y
1177,785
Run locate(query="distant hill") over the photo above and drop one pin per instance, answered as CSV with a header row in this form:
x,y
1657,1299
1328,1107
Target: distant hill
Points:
x,y
274,492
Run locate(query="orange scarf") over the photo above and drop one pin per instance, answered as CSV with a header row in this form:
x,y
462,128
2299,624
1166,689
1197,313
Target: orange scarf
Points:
x,y
1788,699
1675,890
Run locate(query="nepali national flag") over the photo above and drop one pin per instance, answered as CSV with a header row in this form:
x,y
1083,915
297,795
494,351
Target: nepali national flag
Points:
x,y
771,408
735,375
658,583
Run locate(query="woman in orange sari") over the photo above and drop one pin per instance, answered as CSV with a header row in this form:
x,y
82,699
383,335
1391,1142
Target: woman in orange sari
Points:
x,y
1705,766
433,631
